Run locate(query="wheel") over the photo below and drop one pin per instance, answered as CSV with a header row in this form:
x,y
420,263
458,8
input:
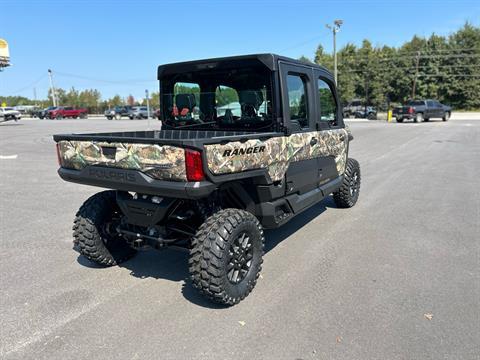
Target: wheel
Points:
x,y
399,120
84,116
426,119
347,195
94,230
226,256
109,118
131,117
59,117
118,116
372,116
446,116
75,117
418,117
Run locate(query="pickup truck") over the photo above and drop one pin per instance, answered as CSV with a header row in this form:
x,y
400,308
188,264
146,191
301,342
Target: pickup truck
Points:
x,y
118,112
211,180
422,110
9,113
61,112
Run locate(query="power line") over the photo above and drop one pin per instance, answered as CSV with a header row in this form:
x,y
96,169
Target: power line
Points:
x,y
29,85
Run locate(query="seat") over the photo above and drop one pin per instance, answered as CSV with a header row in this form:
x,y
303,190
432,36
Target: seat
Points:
x,y
185,104
250,101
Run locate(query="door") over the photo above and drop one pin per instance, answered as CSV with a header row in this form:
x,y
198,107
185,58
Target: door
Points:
x,y
430,110
331,133
439,112
298,103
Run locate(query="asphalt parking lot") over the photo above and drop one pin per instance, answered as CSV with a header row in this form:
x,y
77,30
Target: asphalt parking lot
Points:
x,y
395,277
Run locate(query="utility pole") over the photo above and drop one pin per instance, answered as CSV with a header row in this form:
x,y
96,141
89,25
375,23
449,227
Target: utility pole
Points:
x,y
416,74
54,97
148,108
335,28
35,95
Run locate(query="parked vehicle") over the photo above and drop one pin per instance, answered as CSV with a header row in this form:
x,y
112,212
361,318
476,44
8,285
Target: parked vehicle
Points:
x,y
138,112
211,183
61,112
44,113
118,112
369,113
9,113
422,110
358,109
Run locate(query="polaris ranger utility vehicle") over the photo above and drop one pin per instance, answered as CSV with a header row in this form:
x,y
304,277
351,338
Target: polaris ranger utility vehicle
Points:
x,y
247,143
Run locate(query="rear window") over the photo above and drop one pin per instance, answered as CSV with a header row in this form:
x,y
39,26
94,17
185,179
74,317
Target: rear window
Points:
x,y
416,103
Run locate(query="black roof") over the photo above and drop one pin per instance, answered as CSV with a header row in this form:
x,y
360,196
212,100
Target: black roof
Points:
x,y
269,60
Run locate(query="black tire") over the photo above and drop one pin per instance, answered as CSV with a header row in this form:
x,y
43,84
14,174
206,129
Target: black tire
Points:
x,y
109,118
59,117
426,119
347,195
94,233
446,116
399,120
226,256
418,118
372,116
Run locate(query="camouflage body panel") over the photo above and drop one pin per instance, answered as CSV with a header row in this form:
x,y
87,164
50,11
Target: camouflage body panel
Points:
x,y
276,153
158,161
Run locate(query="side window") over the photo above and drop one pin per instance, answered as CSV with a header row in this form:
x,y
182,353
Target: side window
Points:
x,y
297,101
430,103
328,106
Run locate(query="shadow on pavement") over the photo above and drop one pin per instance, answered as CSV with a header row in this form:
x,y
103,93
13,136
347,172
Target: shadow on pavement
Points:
x,y
10,124
173,264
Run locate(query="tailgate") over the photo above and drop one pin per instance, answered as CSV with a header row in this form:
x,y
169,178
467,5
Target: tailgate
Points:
x,y
164,162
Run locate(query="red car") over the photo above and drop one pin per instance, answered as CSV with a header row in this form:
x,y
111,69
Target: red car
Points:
x,y
61,112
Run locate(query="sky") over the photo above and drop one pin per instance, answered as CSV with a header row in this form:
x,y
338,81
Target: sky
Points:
x,y
115,46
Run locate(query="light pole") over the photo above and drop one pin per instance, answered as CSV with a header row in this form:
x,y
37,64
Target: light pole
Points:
x,y
335,28
148,108
54,98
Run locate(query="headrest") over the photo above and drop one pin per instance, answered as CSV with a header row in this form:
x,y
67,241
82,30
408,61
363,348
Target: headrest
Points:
x,y
185,101
251,97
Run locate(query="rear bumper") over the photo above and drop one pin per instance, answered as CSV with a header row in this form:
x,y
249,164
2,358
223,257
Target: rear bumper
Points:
x,y
404,116
136,181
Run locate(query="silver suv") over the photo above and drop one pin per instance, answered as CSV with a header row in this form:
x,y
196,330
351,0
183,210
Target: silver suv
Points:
x,y
139,112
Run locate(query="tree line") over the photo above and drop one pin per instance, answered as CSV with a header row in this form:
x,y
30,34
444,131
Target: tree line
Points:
x,y
437,67
446,68
91,99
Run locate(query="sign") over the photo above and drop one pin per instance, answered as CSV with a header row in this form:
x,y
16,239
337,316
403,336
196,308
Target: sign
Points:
x,y
4,104
4,53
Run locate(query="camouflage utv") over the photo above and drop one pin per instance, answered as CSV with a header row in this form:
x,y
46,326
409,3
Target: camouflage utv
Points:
x,y
247,143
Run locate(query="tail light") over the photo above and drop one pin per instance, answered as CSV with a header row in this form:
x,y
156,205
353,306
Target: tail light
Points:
x,y
193,165
59,157
410,110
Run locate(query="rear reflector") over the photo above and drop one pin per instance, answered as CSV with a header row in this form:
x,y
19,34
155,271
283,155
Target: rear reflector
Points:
x,y
59,157
193,165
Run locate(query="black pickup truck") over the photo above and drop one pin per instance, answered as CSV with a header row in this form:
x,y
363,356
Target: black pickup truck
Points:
x,y
422,110
118,112
247,143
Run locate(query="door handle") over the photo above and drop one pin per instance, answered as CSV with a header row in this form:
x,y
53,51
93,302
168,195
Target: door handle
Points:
x,y
313,141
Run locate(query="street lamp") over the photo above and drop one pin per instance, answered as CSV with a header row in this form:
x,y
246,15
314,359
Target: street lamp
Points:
x,y
335,28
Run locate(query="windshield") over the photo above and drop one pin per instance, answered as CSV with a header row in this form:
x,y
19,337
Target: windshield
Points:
x,y
227,99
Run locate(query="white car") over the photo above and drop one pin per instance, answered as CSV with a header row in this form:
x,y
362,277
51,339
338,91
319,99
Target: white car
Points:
x,y
9,113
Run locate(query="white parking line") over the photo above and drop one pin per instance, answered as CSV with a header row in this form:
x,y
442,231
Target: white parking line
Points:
x,y
8,157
